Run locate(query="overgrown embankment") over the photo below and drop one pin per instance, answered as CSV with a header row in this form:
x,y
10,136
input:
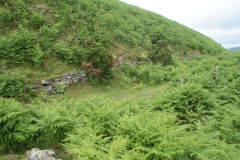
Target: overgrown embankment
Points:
x,y
42,32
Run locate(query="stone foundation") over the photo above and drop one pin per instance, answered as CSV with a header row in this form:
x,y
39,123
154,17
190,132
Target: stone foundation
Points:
x,y
49,85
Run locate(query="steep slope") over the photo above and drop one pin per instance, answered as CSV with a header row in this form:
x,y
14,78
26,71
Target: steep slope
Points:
x,y
77,31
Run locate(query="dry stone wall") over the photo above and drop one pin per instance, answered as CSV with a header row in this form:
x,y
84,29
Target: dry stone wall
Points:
x,y
68,79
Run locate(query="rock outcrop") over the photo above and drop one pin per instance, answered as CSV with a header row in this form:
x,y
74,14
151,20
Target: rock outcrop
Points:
x,y
37,154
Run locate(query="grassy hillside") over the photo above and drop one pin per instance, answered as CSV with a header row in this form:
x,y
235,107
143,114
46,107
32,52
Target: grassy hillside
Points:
x,y
73,31
182,104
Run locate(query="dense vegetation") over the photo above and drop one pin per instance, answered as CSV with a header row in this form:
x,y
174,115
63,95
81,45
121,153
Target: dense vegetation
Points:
x,y
198,119
77,31
193,113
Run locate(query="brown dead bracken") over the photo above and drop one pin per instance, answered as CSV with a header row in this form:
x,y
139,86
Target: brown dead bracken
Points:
x,y
88,67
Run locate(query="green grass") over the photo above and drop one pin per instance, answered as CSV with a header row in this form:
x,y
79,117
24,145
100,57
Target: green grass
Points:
x,y
113,93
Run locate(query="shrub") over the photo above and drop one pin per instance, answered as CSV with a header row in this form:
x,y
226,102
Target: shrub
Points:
x,y
149,73
5,18
162,56
13,86
47,36
227,125
18,10
24,127
190,101
21,47
64,52
18,126
37,20
131,131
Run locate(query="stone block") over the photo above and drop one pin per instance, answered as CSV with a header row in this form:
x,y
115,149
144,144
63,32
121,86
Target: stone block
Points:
x,y
69,77
69,81
83,74
48,88
75,80
57,80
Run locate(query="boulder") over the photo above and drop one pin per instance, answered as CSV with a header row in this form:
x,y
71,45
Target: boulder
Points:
x,y
83,74
75,80
45,82
37,154
69,77
57,80
31,8
48,88
69,81
40,7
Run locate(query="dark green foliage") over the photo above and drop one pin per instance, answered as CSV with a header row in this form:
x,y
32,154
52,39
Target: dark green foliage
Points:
x,y
37,20
24,127
190,101
14,10
227,125
150,73
162,56
13,86
5,17
47,37
18,126
21,47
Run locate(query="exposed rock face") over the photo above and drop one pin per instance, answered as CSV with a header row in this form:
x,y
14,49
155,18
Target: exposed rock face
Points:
x,y
37,154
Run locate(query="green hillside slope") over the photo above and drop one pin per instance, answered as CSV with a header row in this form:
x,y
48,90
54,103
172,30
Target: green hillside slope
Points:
x,y
175,95
74,31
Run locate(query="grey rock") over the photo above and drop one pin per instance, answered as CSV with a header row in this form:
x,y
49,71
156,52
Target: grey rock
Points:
x,y
31,8
69,81
83,74
45,82
75,80
48,88
57,80
37,154
69,77
39,7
